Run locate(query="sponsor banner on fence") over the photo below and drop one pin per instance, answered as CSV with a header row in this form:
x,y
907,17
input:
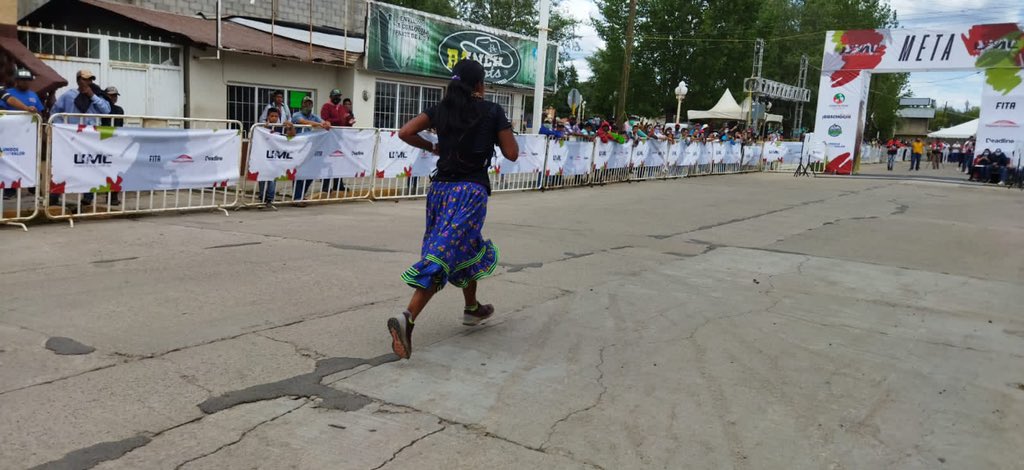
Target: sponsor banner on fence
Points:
x,y
557,154
752,154
639,153
18,151
531,156
733,152
692,153
396,158
717,152
620,155
657,150
104,159
340,153
578,157
675,153
401,40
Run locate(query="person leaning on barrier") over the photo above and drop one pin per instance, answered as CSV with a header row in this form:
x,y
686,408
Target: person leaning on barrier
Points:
x,y
112,96
86,99
21,98
305,117
268,189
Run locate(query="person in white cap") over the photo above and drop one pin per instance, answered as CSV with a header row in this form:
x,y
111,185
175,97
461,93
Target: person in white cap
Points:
x,y
90,102
113,95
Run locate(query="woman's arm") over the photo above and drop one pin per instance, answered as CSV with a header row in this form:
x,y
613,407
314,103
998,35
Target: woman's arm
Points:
x,y
409,133
507,143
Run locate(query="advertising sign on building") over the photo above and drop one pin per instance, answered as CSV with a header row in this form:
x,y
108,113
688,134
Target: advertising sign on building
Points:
x,y
401,40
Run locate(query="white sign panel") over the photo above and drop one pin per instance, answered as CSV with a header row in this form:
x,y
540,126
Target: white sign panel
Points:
x,y
1001,125
692,153
107,159
18,151
557,154
531,156
578,157
657,151
396,158
342,152
620,155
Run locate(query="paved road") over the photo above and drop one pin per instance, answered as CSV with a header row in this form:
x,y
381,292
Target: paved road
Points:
x,y
751,321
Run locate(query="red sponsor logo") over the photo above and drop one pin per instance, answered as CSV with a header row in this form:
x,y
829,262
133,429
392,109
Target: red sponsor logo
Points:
x,y
1002,123
183,159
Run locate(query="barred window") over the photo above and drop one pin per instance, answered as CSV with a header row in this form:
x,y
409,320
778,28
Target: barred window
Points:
x,y
60,45
246,102
397,103
139,53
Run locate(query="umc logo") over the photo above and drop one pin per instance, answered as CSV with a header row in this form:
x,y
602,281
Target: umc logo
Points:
x,y
279,155
397,155
93,159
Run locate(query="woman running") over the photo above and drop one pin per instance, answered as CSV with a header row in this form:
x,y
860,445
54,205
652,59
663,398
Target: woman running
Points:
x,y
454,251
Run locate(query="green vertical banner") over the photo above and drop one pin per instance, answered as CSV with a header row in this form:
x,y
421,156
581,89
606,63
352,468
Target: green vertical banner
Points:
x,y
406,41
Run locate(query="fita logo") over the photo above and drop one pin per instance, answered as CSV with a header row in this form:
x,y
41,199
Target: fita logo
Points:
x,y
1002,123
839,98
183,159
835,130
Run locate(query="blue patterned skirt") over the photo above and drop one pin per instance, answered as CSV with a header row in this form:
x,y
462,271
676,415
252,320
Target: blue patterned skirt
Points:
x,y
454,250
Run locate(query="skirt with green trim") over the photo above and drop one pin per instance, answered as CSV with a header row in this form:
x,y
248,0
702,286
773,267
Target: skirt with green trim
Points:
x,y
454,250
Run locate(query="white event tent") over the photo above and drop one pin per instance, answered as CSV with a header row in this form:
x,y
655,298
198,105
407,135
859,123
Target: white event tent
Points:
x,y
727,108
960,131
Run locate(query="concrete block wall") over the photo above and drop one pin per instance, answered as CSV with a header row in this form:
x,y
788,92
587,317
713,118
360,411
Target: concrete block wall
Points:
x,y
325,12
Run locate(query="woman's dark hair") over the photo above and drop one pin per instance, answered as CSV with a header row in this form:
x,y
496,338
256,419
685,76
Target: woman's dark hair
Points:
x,y
456,112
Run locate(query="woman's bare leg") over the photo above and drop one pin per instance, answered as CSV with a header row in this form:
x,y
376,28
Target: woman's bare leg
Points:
x,y
469,292
419,301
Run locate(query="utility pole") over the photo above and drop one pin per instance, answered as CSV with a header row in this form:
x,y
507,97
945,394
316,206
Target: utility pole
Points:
x,y
542,52
620,119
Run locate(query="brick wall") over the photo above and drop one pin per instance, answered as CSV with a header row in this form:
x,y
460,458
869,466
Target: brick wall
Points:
x,y
325,12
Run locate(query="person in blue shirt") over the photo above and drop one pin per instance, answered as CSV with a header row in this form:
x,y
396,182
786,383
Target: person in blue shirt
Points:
x,y
86,99
306,117
22,81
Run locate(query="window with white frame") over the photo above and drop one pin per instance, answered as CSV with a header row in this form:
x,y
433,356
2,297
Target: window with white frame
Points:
x,y
246,102
395,104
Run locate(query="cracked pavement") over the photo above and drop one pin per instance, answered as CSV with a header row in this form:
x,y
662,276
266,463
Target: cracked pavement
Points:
x,y
747,321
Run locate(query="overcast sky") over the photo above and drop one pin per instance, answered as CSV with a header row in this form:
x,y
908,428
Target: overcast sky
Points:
x,y
953,87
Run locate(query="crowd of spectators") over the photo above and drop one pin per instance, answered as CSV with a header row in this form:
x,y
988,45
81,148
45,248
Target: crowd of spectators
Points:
x,y
637,130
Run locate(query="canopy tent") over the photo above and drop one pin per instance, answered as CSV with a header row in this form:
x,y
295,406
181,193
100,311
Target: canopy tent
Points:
x,y
960,131
726,108
769,117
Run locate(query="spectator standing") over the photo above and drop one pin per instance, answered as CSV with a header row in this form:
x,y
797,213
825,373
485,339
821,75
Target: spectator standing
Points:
x,y
277,102
268,189
968,156
22,95
86,99
335,112
916,150
305,116
892,147
113,95
936,154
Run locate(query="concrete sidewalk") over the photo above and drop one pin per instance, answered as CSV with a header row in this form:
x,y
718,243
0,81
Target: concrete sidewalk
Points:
x,y
748,321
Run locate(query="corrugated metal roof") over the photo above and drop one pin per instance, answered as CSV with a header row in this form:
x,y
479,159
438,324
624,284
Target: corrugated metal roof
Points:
x,y
233,36
47,79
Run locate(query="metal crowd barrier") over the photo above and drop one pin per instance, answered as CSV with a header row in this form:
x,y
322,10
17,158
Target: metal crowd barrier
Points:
x,y
18,203
296,191
60,205
553,164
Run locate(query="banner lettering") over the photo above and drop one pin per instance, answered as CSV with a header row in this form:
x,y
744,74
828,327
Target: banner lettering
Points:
x,y
18,151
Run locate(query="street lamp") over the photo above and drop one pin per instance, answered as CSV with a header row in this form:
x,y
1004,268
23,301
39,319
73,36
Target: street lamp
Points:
x,y
680,95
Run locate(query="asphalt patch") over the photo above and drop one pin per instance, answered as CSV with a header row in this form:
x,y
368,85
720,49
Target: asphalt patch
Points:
x,y
94,455
305,385
67,346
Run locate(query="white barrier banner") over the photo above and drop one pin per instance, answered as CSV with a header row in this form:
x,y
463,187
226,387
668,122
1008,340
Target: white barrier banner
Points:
x,y
752,154
578,157
18,149
557,154
102,159
396,158
602,154
675,154
657,150
620,155
731,152
639,153
275,156
340,153
692,153
531,156
717,151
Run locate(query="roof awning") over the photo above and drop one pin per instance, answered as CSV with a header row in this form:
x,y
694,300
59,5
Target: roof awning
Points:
x,y
331,41
47,79
234,37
